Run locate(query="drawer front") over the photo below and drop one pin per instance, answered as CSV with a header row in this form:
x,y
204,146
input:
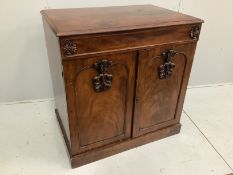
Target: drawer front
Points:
x,y
163,74
82,45
100,99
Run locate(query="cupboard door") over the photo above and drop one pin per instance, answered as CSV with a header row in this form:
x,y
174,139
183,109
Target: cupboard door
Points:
x,y
100,93
163,74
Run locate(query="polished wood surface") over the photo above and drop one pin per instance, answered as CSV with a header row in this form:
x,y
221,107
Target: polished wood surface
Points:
x,y
104,117
55,63
134,40
66,22
119,78
157,99
112,149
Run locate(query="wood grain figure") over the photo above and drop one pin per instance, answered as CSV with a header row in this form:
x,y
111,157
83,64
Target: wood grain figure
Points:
x,y
119,78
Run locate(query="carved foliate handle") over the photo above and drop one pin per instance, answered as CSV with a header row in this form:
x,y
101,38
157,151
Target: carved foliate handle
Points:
x,y
103,80
166,69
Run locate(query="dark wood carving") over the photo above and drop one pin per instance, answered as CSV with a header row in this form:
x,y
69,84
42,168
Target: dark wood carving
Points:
x,y
70,47
103,80
166,69
195,32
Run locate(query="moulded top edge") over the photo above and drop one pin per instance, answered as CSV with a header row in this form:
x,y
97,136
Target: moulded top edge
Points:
x,y
82,21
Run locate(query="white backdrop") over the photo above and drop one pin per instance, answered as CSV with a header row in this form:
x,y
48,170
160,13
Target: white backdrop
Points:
x,y
24,71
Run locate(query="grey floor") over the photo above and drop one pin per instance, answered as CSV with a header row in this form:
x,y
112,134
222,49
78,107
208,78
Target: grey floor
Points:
x,y
31,142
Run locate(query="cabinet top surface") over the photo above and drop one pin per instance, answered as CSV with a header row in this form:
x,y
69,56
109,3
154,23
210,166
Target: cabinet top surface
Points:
x,y
80,21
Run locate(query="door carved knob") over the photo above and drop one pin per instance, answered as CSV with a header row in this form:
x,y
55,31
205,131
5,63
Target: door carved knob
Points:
x,y
103,80
166,69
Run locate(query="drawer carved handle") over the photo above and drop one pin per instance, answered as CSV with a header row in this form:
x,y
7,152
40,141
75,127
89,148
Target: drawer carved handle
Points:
x,y
194,33
70,47
165,70
103,80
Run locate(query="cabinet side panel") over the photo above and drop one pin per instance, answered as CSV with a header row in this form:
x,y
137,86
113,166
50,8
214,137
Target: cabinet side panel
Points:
x,y
56,69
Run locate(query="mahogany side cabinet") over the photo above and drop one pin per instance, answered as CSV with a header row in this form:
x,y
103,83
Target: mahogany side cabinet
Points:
x,y
119,75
